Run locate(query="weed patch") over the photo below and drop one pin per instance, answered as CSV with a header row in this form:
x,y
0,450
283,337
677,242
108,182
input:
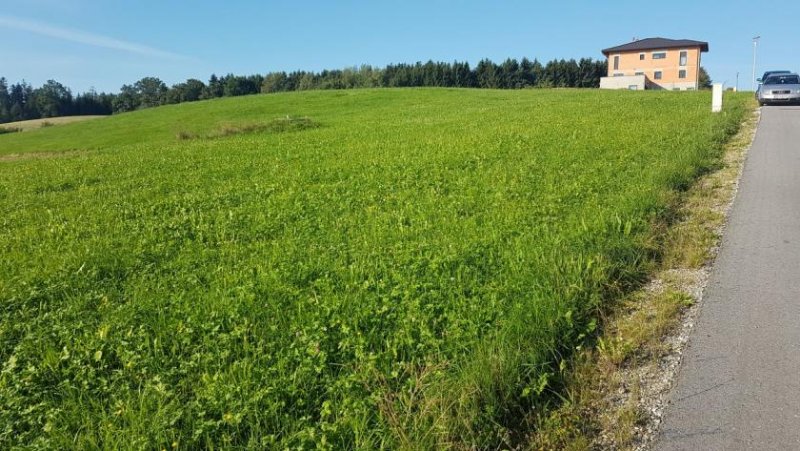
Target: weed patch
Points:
x,y
281,125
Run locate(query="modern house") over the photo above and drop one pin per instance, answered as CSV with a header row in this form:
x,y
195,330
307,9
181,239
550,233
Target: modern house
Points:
x,y
654,63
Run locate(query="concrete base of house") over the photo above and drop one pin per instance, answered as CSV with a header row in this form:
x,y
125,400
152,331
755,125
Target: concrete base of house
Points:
x,y
633,82
681,86
639,82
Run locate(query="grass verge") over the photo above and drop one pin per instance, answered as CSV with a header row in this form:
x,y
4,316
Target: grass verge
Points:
x,y
614,391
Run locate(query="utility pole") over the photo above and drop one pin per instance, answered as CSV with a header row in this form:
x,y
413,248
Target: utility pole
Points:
x,y
755,50
737,83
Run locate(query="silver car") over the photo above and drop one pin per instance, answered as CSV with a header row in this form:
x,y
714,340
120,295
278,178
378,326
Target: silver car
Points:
x,y
766,75
782,88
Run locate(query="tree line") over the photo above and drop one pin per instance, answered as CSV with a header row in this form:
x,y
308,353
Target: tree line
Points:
x,y
21,101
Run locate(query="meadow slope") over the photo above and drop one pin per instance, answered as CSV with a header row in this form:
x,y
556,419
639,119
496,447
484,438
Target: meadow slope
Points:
x,y
356,269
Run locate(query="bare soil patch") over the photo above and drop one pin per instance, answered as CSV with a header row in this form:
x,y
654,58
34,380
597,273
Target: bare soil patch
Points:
x,y
40,155
46,122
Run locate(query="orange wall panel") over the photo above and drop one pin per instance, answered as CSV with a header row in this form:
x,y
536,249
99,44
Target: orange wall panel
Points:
x,y
630,63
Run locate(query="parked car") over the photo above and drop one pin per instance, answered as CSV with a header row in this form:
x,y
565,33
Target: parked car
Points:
x,y
766,75
781,88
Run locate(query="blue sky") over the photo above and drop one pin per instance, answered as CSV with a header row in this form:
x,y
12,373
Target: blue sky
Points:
x,y
103,44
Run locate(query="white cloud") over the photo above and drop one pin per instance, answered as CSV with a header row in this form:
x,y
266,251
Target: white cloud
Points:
x,y
85,38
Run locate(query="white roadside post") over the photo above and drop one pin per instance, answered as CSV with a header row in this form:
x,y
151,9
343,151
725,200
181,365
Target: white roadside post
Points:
x,y
716,98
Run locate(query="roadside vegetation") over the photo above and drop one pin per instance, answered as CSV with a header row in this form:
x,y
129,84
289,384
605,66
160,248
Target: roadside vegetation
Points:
x,y
413,271
615,392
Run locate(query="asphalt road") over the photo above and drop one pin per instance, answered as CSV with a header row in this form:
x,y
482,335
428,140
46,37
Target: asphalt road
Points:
x,y
739,384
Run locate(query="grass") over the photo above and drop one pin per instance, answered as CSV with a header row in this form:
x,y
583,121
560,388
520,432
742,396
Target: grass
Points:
x,y
611,388
413,272
34,124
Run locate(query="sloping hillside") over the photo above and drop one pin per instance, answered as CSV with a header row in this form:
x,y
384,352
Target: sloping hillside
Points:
x,y
342,269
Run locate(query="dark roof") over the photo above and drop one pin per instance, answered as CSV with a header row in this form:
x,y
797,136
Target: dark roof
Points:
x,y
656,44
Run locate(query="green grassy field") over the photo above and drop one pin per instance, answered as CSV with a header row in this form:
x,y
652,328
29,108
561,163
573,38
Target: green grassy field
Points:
x,y
406,268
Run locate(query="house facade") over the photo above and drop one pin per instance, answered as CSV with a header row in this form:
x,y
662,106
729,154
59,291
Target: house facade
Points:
x,y
654,63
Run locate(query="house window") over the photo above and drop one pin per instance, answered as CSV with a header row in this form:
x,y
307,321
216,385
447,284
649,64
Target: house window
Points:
x,y
641,56
657,75
639,73
616,62
682,73
659,55
684,57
